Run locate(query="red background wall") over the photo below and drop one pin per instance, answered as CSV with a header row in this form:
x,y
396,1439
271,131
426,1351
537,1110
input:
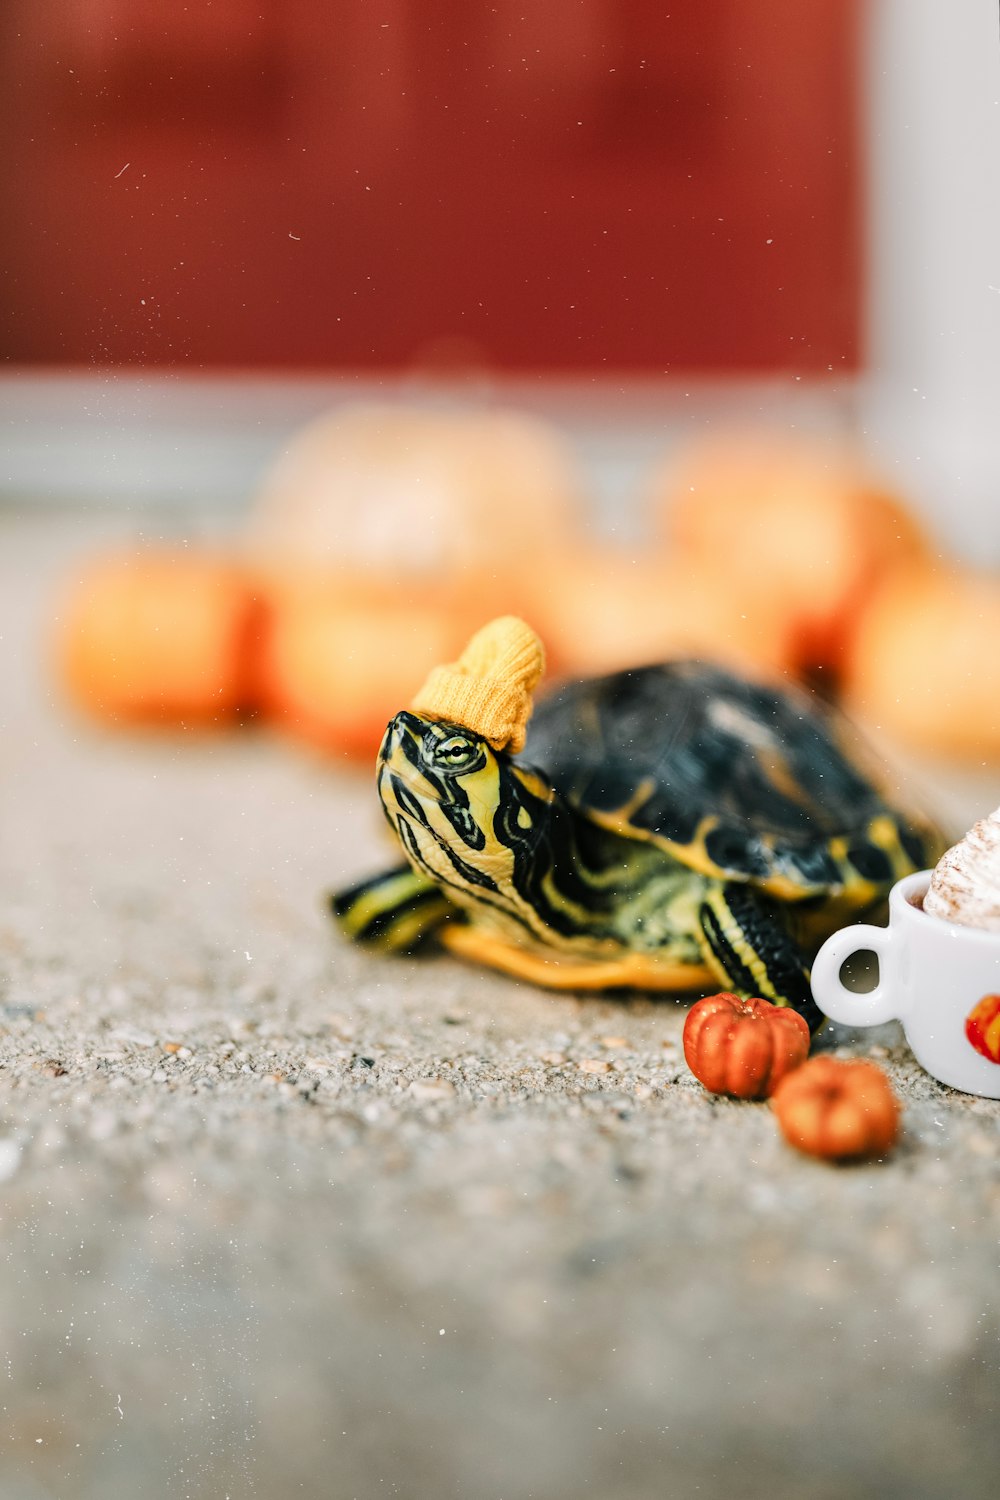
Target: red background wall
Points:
x,y
575,185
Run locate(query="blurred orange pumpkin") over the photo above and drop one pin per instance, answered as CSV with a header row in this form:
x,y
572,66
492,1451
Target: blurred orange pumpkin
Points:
x,y
924,665
840,1109
405,492
599,611
801,520
341,657
383,536
161,636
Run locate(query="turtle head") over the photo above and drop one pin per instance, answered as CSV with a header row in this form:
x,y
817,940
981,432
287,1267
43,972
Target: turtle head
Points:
x,y
464,813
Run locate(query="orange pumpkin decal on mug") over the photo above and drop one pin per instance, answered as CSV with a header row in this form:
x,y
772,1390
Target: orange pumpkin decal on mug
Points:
x,y
982,1027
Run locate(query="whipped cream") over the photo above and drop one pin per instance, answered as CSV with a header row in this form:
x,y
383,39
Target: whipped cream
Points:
x,y
965,886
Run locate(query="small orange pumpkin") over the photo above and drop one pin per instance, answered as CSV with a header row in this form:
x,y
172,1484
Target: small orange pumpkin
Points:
x,y
838,1109
743,1047
600,610
341,656
801,519
160,636
924,665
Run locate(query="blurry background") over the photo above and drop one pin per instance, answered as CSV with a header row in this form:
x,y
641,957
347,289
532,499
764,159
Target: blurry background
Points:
x,y
739,221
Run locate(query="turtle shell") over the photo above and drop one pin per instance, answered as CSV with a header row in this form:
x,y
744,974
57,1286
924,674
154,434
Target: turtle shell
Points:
x,y
736,778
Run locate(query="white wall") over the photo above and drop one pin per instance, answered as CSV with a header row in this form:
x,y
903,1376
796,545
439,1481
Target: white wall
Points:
x,y
931,403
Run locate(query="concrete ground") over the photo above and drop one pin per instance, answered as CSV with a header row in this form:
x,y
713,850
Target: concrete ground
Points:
x,y
280,1219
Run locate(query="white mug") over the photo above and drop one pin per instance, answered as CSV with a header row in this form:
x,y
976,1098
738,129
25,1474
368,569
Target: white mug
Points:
x,y
941,980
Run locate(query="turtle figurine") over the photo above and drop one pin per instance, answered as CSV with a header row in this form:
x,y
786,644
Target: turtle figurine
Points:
x,y
670,828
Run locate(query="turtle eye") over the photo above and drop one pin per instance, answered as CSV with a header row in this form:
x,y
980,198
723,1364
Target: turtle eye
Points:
x,y
456,752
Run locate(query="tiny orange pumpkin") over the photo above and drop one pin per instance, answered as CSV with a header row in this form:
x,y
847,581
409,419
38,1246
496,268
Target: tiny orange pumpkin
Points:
x,y
838,1109
743,1047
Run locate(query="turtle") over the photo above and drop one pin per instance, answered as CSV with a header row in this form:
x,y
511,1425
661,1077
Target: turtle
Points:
x,y
666,828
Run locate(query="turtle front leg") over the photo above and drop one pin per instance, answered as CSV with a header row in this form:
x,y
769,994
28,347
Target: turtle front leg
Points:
x,y
393,911
746,941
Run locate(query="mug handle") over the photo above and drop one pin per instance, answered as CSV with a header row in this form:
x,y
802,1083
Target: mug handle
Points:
x,y
868,1008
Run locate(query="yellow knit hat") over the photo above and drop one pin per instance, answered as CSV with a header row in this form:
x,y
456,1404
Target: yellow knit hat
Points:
x,y
489,688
